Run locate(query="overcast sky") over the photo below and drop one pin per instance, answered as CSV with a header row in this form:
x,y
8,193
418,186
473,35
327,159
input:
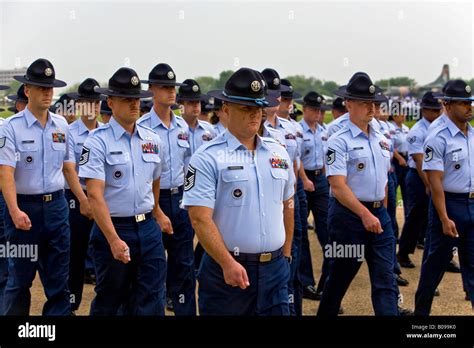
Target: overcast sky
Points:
x,y
329,40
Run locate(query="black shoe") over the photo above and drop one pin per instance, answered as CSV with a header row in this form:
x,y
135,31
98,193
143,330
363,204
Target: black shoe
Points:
x,y
89,277
341,310
169,304
405,312
453,267
401,281
310,293
437,293
420,246
467,298
73,313
405,261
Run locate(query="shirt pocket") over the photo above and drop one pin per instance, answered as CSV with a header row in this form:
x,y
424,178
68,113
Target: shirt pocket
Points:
x,y
235,187
457,159
29,157
117,170
279,178
152,161
59,152
357,162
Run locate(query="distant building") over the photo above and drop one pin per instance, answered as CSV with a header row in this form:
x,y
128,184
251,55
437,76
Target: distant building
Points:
x,y
6,76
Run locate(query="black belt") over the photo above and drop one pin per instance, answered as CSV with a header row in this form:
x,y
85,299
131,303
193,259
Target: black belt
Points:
x,y
46,197
376,204
172,191
259,257
315,172
131,219
467,195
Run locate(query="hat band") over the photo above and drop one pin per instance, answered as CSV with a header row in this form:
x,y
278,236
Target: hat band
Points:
x,y
258,101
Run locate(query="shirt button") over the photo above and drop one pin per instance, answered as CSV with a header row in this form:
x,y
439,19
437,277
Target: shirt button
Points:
x,y
263,214
262,194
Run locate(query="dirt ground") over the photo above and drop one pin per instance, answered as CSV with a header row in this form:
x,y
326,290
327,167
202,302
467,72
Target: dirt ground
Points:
x,y
357,300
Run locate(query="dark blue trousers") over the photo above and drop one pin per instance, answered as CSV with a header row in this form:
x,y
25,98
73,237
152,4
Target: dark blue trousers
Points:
x,y
267,294
3,260
460,209
401,173
81,228
392,201
50,234
417,213
181,278
318,205
295,290
138,287
346,229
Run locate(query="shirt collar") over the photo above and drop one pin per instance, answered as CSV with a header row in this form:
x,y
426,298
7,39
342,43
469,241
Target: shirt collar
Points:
x,y
82,127
453,129
31,119
356,131
233,143
156,120
425,122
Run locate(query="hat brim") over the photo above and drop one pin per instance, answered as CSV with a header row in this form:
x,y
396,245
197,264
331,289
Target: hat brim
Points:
x,y
272,101
77,96
54,84
162,83
15,98
432,107
12,109
188,98
112,93
295,95
344,94
456,98
4,88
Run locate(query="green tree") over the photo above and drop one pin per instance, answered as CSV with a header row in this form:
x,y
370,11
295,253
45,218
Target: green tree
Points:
x,y
207,83
396,82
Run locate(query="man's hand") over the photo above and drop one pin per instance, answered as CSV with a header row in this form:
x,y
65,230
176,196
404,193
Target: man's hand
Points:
x,y
236,275
21,220
120,251
402,162
85,208
164,222
308,185
371,223
449,228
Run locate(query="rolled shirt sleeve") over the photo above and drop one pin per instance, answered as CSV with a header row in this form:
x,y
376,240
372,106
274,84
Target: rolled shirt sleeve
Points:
x,y
200,184
92,162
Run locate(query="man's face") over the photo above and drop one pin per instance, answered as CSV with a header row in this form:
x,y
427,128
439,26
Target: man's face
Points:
x,y
312,115
20,106
105,118
460,110
164,95
91,109
243,120
39,97
430,114
361,109
125,109
337,113
191,109
285,105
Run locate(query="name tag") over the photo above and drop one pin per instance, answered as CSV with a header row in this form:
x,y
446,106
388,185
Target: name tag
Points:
x,y
27,141
235,167
116,152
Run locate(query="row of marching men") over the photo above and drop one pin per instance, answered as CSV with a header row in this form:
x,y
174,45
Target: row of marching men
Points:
x,y
135,171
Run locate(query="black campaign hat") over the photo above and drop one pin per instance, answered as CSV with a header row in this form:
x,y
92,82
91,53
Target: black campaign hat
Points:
x,y
104,108
245,87
190,90
457,90
20,95
3,88
64,104
124,83
339,104
291,94
40,73
360,87
430,100
162,75
314,100
86,91
273,81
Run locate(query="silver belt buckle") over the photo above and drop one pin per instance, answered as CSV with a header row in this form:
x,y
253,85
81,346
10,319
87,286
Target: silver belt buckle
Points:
x,y
174,190
265,257
140,218
377,204
471,194
47,198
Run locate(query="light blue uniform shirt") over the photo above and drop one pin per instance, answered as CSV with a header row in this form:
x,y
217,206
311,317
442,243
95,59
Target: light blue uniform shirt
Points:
x,y
448,150
175,147
364,161
78,133
289,135
36,153
299,140
337,124
246,192
415,138
275,134
203,133
312,154
438,122
219,128
127,164
400,139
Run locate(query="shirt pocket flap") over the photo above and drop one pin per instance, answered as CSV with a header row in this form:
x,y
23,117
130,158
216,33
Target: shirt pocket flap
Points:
x,y
151,157
278,173
115,158
27,146
234,175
